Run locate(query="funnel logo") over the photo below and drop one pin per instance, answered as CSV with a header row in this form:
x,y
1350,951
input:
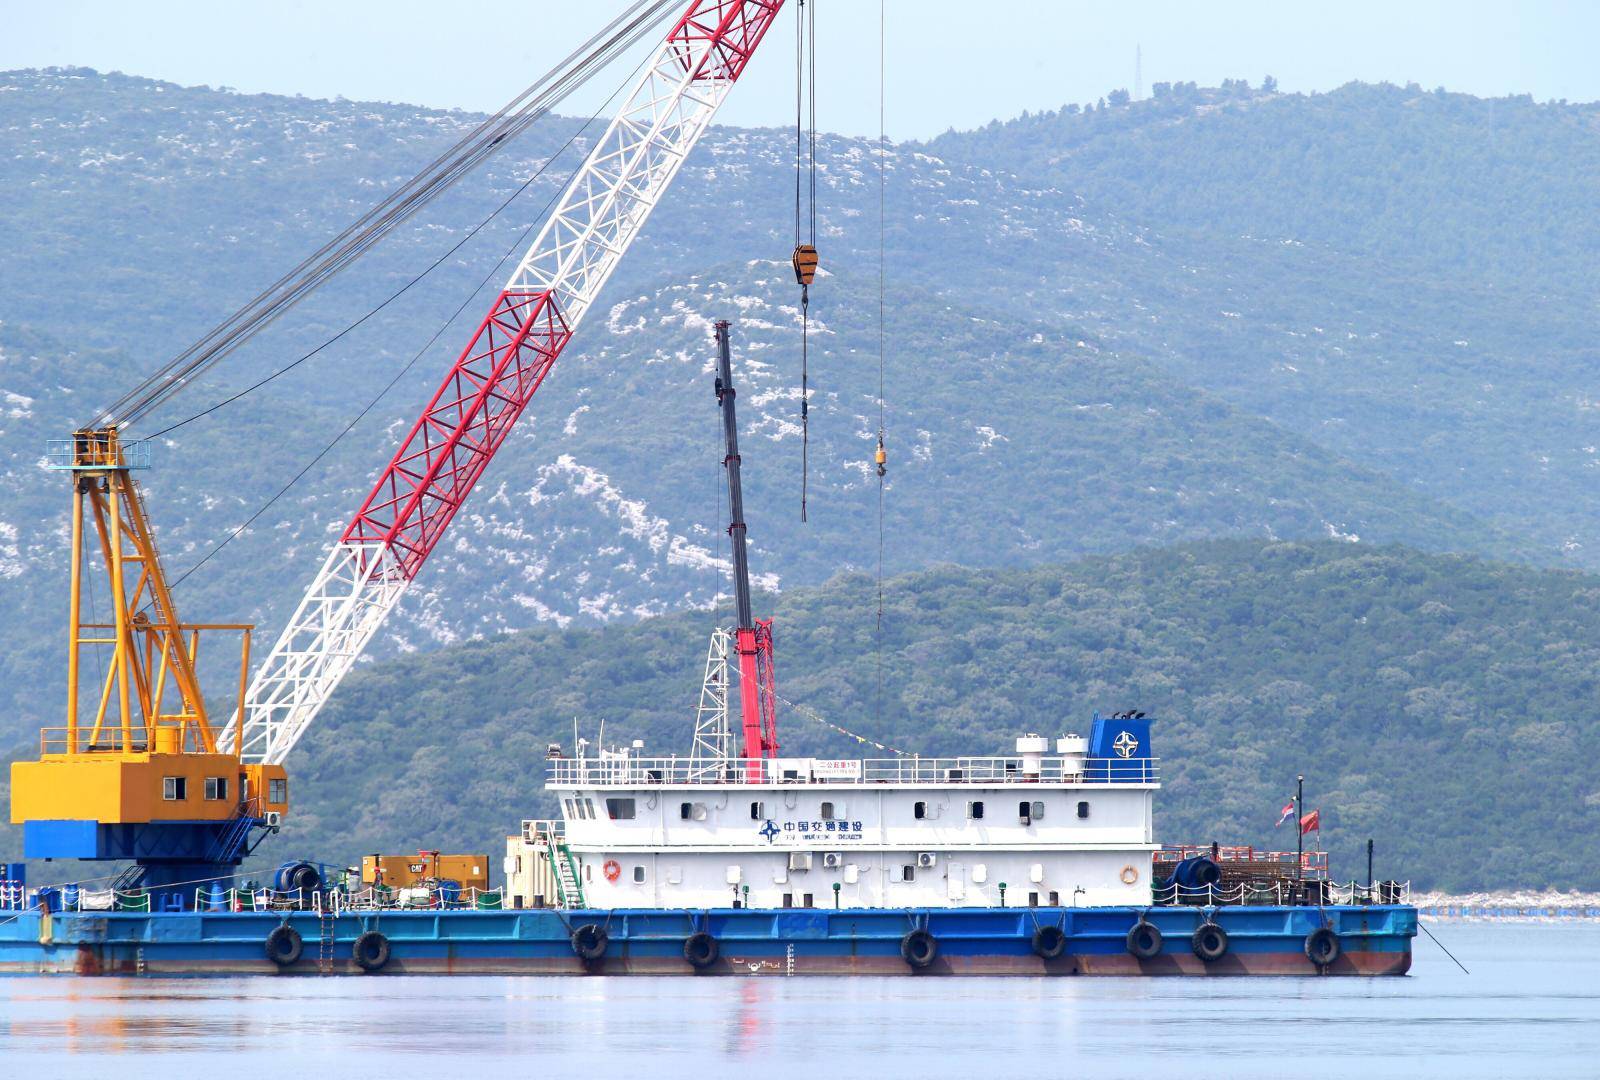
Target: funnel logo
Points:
x,y
1125,744
769,830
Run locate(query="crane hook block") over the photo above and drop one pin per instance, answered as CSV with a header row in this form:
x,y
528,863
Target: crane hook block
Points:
x,y
805,264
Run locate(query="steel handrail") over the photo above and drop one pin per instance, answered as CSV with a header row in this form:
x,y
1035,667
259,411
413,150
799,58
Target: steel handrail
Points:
x,y
639,771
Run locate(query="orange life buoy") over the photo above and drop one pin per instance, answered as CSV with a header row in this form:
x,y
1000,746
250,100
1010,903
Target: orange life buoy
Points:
x,y
613,869
1130,874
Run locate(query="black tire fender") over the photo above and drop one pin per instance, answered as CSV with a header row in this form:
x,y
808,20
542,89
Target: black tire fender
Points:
x,y
919,948
1323,946
701,950
1210,942
1049,942
1144,940
370,951
589,941
284,945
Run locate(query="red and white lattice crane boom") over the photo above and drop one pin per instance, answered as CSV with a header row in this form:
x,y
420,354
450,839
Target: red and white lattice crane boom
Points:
x,y
431,474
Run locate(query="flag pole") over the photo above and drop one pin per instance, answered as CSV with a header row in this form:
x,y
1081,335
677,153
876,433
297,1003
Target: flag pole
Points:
x,y
1300,833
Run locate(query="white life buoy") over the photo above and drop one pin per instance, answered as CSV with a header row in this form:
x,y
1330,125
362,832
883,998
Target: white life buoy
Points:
x,y
1130,874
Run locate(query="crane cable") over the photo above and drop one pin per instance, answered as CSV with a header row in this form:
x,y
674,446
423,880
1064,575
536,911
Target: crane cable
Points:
x,y
366,231
805,245
881,457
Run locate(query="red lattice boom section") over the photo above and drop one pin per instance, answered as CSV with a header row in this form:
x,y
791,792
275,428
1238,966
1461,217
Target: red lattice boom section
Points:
x,y
734,28
474,410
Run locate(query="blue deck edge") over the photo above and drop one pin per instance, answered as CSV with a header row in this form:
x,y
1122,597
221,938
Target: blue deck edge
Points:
x,y
975,938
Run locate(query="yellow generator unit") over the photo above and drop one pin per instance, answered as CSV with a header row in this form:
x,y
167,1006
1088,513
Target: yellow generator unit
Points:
x,y
409,871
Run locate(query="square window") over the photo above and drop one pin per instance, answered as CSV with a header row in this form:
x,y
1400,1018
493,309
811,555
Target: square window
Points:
x,y
827,811
638,875
788,899
975,810
1055,898
919,810
1033,899
1083,809
1025,812
1038,810
908,873
805,900
686,810
216,788
278,791
619,809
174,788
758,811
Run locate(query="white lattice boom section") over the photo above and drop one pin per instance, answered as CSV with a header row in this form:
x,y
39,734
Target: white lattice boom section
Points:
x,y
437,464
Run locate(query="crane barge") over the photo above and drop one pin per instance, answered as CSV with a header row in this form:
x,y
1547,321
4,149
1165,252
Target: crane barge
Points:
x,y
912,871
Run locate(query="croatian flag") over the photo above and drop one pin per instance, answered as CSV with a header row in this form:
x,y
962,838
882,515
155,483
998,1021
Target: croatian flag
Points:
x,y
1288,812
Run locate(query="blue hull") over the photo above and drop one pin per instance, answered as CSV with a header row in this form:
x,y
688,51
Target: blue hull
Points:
x,y
1373,940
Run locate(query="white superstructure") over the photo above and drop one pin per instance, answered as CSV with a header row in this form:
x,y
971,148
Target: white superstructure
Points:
x,y
1040,828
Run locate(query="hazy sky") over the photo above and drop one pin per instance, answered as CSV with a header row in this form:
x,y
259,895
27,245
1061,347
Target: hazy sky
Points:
x,y
950,64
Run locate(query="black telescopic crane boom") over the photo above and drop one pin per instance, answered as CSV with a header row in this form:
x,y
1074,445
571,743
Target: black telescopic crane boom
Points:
x,y
730,430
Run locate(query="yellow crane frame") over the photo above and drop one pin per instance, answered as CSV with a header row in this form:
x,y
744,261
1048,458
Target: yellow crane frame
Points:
x,y
148,751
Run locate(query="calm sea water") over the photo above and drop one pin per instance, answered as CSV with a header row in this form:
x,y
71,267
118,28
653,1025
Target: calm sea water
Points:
x,y
1529,1008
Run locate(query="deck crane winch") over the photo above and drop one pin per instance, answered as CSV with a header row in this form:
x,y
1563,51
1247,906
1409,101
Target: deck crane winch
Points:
x,y
157,785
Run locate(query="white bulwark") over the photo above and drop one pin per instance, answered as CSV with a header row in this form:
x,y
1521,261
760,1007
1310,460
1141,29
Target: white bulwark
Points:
x,y
1040,828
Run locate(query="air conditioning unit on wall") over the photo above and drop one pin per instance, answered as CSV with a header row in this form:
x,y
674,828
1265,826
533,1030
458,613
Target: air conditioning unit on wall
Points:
x,y
799,860
832,860
926,859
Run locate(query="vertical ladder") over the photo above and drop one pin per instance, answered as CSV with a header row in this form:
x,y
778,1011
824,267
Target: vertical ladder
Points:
x,y
325,928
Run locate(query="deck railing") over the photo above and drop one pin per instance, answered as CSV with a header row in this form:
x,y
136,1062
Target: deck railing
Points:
x,y
632,771
1312,863
1282,893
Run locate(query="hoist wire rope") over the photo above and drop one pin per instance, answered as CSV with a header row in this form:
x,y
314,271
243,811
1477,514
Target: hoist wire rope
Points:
x,y
882,153
805,43
522,238
621,34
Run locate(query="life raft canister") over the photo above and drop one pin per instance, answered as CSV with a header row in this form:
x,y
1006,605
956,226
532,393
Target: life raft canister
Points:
x,y
919,948
1144,940
284,945
613,869
1210,942
371,951
1323,946
701,950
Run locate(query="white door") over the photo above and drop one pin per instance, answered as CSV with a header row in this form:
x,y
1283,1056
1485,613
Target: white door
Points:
x,y
956,879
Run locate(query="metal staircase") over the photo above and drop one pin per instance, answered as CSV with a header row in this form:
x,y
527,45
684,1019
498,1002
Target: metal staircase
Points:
x,y
569,890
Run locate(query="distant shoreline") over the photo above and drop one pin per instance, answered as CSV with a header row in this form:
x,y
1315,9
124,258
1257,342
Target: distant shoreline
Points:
x,y
1520,904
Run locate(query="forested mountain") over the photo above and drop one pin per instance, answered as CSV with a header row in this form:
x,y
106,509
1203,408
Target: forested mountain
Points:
x,y
1437,704
1062,394
1363,315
